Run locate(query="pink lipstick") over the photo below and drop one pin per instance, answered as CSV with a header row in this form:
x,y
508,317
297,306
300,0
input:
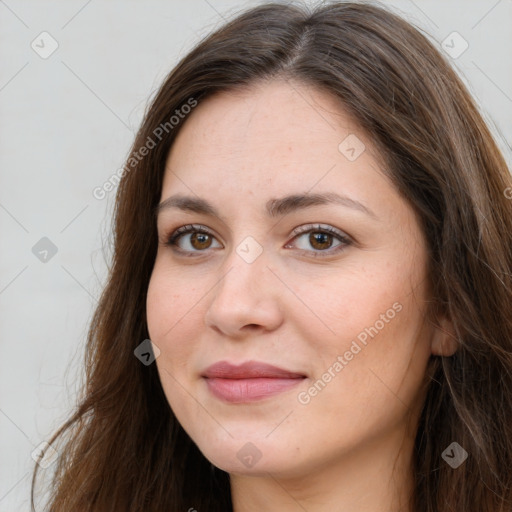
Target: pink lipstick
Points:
x,y
248,382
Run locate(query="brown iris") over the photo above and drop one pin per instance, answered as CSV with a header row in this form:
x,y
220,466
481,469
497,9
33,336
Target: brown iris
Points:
x,y
320,240
203,240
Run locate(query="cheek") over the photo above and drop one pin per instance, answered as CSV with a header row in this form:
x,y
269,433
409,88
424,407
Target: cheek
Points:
x,y
372,320
342,305
173,316
169,302
374,365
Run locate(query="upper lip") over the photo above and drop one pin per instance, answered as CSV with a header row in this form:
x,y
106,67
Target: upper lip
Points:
x,y
248,370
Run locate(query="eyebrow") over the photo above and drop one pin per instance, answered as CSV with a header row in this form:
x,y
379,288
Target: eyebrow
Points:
x,y
274,207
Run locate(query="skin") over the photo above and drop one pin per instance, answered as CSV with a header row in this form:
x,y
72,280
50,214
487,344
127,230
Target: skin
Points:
x,y
349,447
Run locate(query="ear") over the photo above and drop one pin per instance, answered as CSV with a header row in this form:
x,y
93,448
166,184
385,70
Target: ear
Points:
x,y
444,340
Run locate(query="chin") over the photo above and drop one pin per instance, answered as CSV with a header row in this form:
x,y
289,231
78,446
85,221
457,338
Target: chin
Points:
x,y
248,455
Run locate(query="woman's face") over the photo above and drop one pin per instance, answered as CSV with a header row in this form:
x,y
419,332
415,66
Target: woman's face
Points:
x,y
301,255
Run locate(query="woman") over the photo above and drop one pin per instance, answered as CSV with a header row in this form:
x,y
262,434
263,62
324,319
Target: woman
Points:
x,y
313,230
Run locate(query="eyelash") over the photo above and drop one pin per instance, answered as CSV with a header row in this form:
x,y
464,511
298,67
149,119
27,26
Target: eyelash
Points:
x,y
173,238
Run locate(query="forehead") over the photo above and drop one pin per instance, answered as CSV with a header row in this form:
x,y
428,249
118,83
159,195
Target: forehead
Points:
x,y
274,127
284,103
243,148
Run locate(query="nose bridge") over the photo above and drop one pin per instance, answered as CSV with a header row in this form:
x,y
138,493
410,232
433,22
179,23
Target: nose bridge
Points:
x,y
247,266
244,295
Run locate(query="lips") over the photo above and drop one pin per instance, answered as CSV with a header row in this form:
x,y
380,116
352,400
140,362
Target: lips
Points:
x,y
249,381
248,370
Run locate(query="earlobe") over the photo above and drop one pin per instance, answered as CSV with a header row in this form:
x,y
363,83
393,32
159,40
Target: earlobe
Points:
x,y
444,340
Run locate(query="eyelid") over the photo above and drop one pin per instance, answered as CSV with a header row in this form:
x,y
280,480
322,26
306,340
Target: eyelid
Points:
x,y
305,228
187,228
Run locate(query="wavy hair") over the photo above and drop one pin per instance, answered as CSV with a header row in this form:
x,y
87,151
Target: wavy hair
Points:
x,y
123,449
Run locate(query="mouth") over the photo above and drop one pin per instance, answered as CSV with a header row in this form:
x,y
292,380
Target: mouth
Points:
x,y
248,382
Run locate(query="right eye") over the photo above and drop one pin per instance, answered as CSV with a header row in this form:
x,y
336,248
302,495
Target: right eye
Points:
x,y
190,239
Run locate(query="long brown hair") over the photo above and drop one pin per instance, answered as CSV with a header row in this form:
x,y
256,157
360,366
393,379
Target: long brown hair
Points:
x,y
123,449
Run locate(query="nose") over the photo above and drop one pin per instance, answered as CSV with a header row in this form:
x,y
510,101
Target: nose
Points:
x,y
246,299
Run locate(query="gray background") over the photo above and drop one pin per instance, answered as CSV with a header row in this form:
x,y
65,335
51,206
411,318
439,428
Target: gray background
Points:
x,y
67,124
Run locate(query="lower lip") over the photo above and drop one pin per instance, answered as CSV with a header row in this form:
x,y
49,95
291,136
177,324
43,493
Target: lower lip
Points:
x,y
249,390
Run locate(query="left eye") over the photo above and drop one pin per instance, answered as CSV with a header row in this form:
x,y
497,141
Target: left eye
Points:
x,y
321,239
